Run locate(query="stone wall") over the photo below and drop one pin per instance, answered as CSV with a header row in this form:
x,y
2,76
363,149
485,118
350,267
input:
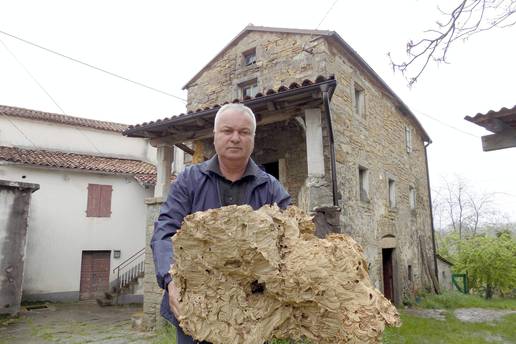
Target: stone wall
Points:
x,y
376,141
280,60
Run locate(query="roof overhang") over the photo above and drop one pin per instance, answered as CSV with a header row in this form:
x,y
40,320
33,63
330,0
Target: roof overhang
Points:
x,y
274,107
501,123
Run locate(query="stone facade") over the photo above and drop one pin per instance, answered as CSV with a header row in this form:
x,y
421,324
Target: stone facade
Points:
x,y
374,141
152,292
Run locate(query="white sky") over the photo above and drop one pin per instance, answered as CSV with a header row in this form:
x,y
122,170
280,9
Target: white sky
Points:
x,y
164,43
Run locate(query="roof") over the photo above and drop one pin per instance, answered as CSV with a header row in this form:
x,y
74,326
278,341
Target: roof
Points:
x,y
293,90
81,162
61,119
495,121
443,259
351,53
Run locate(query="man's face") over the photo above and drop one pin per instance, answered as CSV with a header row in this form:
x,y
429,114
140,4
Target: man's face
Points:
x,y
233,138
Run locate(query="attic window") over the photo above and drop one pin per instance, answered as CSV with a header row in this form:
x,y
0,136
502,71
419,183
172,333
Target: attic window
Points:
x,y
250,57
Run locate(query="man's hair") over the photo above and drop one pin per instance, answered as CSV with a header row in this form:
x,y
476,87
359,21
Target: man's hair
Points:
x,y
239,107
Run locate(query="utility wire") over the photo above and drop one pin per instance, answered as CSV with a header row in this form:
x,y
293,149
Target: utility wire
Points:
x,y
32,76
21,131
329,10
49,96
92,66
448,125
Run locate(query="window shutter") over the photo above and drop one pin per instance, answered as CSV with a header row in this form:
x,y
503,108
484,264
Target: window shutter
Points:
x,y
92,209
105,200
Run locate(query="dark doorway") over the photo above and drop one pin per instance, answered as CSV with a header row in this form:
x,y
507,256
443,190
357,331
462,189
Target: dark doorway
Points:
x,y
272,168
94,274
388,274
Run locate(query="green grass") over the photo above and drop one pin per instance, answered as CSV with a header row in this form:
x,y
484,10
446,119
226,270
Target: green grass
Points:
x,y
458,300
424,330
165,335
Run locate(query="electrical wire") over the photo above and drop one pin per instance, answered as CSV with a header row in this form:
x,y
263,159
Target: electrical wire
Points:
x,y
448,125
93,67
48,95
329,10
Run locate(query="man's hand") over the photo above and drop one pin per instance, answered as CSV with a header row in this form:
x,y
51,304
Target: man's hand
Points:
x,y
173,297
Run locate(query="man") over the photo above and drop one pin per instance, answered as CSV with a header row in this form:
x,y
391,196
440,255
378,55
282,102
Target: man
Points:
x,y
230,177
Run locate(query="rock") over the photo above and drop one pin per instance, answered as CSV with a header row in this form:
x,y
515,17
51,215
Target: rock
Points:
x,y
249,276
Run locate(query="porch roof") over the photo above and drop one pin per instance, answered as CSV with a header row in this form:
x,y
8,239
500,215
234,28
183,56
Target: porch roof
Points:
x,y
273,106
501,123
494,121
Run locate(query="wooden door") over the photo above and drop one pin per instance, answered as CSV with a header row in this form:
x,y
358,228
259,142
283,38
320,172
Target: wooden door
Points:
x,y
94,274
388,274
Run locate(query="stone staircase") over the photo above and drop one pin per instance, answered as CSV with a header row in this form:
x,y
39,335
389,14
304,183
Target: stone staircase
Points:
x,y
128,286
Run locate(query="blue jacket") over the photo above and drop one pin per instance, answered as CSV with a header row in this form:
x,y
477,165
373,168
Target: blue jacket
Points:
x,y
196,189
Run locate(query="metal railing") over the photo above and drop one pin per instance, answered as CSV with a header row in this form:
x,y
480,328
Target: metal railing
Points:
x,y
130,269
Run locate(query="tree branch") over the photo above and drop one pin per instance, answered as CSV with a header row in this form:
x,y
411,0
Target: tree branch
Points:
x,y
469,18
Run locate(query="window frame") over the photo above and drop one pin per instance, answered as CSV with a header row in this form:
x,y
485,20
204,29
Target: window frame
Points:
x,y
363,184
412,197
392,192
251,84
408,139
358,99
249,53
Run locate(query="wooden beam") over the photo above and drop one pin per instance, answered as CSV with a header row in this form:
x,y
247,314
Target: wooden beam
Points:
x,y
188,150
502,140
183,137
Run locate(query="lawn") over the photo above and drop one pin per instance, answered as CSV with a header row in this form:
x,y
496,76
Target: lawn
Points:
x,y
423,330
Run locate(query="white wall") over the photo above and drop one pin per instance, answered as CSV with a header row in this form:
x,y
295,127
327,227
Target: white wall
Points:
x,y
21,132
59,230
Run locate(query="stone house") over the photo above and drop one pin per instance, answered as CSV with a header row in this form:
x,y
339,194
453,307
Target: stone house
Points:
x,y
91,178
445,268
330,129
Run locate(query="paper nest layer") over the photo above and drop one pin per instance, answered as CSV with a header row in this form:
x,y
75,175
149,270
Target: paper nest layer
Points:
x,y
249,276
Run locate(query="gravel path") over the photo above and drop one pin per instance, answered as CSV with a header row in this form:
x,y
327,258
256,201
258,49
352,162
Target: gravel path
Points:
x,y
73,323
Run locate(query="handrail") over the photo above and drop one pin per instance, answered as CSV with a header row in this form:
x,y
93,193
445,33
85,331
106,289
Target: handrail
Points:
x,y
129,260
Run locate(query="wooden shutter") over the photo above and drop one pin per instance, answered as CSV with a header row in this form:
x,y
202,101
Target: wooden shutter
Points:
x,y
92,209
105,200
99,200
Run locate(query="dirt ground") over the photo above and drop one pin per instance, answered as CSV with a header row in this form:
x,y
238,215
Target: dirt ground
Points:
x,y
73,323
463,314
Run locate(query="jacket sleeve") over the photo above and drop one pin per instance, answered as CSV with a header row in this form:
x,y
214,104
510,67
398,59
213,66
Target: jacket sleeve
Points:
x,y
279,195
172,213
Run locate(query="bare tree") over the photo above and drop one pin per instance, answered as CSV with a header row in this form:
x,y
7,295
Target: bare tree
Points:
x,y
459,207
468,18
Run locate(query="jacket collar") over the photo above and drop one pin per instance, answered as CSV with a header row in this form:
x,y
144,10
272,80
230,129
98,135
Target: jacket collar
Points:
x,y
252,169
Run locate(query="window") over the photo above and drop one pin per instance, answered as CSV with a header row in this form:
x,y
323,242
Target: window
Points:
x,y
363,184
410,273
249,57
249,89
408,139
358,100
99,200
392,193
412,197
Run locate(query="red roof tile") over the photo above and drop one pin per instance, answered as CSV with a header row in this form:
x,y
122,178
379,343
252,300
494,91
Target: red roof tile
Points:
x,y
61,119
76,161
282,88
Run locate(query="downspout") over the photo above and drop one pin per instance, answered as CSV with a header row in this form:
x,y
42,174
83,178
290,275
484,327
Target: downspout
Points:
x,y
326,101
431,211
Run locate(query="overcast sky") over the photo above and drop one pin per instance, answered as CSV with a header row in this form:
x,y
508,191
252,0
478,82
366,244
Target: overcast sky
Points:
x,y
164,43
